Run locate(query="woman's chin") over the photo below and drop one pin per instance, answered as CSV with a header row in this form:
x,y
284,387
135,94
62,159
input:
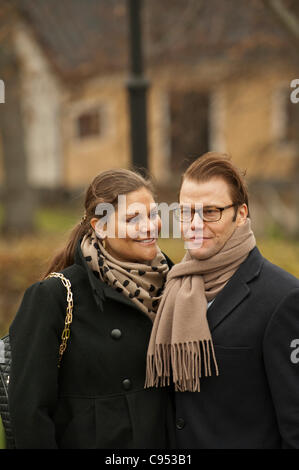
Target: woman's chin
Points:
x,y
147,252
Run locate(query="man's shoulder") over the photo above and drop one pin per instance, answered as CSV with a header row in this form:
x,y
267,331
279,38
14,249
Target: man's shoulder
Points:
x,y
277,280
273,270
257,268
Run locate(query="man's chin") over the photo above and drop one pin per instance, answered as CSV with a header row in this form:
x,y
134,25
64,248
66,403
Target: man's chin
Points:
x,y
200,252
193,244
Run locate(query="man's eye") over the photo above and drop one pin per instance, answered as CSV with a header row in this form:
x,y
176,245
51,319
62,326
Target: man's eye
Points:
x,y
210,211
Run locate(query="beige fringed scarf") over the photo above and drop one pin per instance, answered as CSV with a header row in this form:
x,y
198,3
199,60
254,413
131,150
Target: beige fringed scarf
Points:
x,y
181,342
142,283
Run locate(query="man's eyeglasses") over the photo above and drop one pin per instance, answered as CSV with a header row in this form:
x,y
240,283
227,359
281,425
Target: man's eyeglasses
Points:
x,y
206,213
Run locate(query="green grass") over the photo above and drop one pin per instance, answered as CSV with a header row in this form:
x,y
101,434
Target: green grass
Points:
x,y
283,252
2,436
57,220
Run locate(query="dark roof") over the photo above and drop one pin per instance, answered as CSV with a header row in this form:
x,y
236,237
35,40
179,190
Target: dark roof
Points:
x,y
229,30
80,37
84,38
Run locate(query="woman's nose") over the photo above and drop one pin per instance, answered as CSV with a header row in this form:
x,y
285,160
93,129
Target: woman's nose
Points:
x,y
150,225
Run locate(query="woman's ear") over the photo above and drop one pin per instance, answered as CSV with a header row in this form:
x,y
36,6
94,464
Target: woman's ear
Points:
x,y
93,222
99,228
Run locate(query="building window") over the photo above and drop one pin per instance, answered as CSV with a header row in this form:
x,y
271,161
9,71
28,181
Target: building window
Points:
x,y
292,124
89,124
189,127
285,117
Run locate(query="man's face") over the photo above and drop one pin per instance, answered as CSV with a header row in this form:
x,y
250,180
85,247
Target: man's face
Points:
x,y
214,192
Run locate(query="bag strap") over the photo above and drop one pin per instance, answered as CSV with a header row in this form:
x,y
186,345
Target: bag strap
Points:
x,y
69,313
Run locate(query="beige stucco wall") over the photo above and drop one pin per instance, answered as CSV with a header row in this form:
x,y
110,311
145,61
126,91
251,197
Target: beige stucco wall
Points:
x,y
41,99
85,158
255,114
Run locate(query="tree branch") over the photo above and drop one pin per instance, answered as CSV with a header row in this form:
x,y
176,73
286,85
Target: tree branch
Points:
x,y
287,19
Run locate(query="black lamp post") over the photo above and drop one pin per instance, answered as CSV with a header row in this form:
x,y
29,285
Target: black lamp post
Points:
x,y
137,89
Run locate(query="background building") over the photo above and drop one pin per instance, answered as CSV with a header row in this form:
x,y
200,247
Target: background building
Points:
x,y
219,75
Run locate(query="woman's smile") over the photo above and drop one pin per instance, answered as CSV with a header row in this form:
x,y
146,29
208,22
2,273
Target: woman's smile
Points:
x,y
146,241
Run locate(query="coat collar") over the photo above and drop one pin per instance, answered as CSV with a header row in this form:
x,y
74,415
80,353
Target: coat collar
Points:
x,y
236,290
100,290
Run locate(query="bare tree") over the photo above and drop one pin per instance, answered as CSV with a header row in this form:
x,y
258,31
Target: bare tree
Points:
x,y
18,195
287,18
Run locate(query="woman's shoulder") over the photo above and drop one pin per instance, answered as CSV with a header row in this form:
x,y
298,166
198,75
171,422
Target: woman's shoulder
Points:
x,y
74,273
47,296
56,282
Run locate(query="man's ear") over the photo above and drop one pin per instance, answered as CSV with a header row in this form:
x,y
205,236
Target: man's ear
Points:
x,y
242,215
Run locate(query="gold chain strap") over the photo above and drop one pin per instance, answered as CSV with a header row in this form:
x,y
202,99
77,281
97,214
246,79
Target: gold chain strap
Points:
x,y
69,313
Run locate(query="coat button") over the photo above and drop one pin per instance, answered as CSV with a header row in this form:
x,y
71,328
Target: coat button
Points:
x,y
116,334
180,423
127,384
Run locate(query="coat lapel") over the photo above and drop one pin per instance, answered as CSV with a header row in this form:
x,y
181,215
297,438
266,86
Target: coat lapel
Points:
x,y
236,290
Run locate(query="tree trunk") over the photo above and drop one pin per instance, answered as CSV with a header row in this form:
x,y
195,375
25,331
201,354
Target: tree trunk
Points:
x,y
19,202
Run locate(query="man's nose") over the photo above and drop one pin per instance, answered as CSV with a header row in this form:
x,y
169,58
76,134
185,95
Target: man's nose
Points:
x,y
197,222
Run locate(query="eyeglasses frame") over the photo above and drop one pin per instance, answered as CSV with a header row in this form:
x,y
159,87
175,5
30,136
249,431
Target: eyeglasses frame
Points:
x,y
221,209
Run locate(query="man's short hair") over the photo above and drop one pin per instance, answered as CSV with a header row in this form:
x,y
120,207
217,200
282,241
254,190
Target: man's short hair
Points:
x,y
218,165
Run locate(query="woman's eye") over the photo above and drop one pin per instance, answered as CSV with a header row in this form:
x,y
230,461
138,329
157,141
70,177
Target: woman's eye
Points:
x,y
154,214
134,220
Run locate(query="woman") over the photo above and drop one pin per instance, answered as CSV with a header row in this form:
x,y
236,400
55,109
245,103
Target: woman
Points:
x,y
96,398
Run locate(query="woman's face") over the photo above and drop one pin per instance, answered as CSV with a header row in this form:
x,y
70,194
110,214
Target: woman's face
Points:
x,y
137,226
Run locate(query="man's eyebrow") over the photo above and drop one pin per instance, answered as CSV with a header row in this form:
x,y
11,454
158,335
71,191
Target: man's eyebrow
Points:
x,y
189,204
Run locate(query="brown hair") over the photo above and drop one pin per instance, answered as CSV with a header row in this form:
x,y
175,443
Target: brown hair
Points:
x,y
218,165
105,188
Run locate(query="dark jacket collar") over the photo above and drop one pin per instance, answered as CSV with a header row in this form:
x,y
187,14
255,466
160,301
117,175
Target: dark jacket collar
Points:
x,y
99,288
236,290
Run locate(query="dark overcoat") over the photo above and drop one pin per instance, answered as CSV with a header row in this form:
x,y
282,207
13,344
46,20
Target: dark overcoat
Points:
x,y
254,402
96,399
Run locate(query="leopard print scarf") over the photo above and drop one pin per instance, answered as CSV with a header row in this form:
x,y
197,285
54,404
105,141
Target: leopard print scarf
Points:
x,y
142,283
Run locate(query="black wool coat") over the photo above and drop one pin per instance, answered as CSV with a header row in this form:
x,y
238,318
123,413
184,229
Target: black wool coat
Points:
x,y
96,399
254,402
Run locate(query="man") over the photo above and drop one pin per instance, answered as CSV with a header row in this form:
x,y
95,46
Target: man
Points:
x,y
227,325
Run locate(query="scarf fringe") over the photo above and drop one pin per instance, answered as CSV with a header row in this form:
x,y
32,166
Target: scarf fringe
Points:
x,y
187,362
